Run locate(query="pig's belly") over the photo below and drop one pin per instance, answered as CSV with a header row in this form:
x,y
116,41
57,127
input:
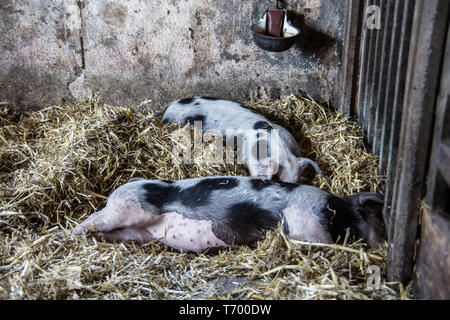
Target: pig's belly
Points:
x,y
182,233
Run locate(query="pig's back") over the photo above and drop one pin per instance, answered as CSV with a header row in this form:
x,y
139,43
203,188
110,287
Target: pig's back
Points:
x,y
240,208
214,113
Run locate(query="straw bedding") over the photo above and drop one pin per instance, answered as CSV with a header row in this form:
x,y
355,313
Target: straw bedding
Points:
x,y
59,164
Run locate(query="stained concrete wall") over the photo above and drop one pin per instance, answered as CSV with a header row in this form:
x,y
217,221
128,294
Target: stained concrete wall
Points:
x,y
129,51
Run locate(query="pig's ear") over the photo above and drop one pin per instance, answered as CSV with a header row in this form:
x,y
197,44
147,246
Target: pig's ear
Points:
x,y
370,202
307,169
364,198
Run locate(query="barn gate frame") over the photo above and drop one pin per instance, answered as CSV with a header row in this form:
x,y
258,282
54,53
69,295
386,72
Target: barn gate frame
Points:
x,y
396,81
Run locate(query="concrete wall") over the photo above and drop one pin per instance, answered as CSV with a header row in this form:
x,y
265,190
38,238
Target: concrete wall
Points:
x,y
129,51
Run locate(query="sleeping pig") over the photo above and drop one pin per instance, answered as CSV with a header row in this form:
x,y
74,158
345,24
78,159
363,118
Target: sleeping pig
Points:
x,y
216,212
280,152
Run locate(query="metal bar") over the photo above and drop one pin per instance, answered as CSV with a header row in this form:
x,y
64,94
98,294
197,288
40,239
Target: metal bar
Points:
x,y
394,165
383,76
392,75
365,98
373,84
366,49
394,122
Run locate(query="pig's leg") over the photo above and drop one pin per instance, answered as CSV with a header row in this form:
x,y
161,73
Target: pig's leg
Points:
x,y
142,235
122,210
88,223
135,234
110,218
104,220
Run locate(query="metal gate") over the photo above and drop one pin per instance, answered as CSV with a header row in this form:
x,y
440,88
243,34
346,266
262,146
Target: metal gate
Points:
x,y
395,81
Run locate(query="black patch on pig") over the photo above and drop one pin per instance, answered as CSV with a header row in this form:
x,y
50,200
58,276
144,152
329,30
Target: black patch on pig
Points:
x,y
186,100
245,223
168,181
192,119
199,195
210,98
338,216
262,125
287,185
158,195
259,184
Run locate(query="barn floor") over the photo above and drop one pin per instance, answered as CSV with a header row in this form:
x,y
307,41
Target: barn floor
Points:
x,y
59,164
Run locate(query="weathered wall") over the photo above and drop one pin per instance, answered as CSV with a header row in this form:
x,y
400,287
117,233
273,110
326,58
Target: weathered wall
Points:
x,y
127,52
39,51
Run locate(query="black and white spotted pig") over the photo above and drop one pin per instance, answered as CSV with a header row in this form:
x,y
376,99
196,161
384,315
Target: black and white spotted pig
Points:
x,y
234,119
197,214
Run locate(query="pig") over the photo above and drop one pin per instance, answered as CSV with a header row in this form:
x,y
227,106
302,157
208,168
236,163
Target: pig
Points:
x,y
199,214
257,132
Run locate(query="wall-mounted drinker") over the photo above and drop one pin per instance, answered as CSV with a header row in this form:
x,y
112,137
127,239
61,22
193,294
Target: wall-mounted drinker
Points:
x,y
274,32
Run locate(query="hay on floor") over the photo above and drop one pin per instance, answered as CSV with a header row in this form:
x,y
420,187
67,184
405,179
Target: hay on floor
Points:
x,y
59,164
